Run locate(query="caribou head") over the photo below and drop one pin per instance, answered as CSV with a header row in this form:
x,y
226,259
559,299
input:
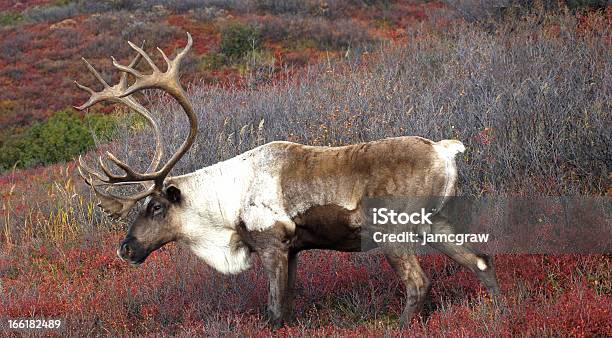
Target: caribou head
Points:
x,y
154,226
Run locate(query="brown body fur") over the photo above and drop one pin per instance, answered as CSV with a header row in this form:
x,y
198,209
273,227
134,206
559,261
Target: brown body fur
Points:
x,y
403,166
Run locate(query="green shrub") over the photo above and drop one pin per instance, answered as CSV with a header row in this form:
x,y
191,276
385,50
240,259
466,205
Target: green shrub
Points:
x,y
101,125
213,61
59,138
10,18
257,60
238,39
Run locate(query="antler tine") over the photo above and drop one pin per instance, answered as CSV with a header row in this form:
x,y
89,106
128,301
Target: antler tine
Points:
x,y
92,98
108,93
168,62
85,88
144,55
111,178
102,180
95,73
129,172
126,69
179,57
113,205
89,170
130,175
123,79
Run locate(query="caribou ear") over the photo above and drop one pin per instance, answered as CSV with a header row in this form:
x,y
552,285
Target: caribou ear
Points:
x,y
173,194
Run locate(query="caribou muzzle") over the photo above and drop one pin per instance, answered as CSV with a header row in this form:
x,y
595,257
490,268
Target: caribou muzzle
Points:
x,y
132,252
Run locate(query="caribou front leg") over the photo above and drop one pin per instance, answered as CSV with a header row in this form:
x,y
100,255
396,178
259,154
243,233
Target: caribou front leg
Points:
x,y
273,245
276,265
291,276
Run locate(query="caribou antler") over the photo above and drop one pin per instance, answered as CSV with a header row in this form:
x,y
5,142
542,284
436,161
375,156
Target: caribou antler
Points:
x,y
113,94
119,206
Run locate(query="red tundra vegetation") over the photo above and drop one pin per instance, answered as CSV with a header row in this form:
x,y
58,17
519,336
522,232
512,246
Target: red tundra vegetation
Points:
x,y
339,294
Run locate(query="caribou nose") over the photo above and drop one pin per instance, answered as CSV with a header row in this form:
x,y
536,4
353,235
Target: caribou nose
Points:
x,y
125,251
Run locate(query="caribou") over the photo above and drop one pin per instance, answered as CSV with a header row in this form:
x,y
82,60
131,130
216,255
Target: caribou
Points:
x,y
273,201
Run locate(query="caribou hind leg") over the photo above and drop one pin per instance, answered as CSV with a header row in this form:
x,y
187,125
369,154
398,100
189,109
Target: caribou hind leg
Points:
x,y
480,264
416,282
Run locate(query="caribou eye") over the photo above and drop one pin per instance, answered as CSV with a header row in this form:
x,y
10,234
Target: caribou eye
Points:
x,y
156,209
